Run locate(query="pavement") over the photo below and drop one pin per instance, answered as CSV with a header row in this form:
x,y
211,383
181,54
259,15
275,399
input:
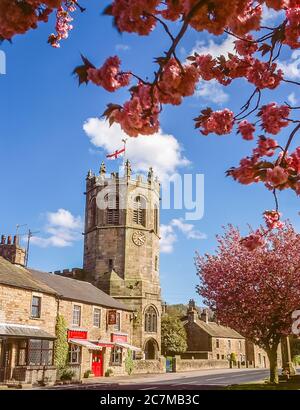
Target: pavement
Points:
x,y
193,380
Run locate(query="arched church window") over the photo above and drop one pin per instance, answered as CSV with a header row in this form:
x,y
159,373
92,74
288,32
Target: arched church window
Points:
x,y
112,210
155,219
150,320
139,211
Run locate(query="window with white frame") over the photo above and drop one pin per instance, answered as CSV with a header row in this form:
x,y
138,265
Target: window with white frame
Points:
x,y
74,354
76,315
116,355
97,317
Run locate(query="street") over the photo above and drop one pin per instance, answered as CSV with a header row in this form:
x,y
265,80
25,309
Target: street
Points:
x,y
194,380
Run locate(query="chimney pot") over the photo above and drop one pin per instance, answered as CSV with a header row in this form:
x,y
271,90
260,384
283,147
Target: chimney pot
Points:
x,y
3,239
9,240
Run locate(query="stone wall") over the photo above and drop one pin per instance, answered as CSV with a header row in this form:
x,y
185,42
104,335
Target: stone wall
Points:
x,y
150,366
184,365
15,308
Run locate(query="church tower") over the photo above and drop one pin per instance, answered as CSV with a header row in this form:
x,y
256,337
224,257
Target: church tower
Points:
x,y
121,247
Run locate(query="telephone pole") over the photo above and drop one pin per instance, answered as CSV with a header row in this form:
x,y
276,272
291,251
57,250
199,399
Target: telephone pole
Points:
x,y
29,236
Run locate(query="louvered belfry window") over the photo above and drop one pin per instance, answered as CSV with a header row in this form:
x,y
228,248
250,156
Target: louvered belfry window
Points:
x,y
139,211
113,211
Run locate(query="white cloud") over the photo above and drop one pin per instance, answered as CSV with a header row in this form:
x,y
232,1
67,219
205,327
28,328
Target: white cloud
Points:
x,y
292,98
169,236
122,47
291,67
211,91
160,151
215,49
187,229
62,229
270,15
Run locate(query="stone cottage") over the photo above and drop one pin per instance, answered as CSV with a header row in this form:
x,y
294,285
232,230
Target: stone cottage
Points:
x,y
210,340
99,328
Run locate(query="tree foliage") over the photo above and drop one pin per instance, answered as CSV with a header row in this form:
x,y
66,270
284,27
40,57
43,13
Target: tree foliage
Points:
x,y
61,347
254,292
254,60
173,335
129,362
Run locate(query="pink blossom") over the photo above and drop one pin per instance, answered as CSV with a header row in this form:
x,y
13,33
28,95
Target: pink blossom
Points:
x,y
264,76
276,176
265,147
292,29
274,117
109,75
253,241
139,115
218,122
246,129
272,219
247,46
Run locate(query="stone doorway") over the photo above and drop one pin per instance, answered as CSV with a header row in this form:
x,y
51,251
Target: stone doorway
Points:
x,y
151,349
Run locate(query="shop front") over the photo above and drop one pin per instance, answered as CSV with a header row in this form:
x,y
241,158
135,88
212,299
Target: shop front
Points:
x,y
26,355
96,357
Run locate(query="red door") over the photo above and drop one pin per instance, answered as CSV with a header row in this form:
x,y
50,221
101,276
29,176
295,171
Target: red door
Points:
x,y
97,364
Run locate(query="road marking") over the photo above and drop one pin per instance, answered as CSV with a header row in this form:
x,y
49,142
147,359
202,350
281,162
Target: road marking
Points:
x,y
217,378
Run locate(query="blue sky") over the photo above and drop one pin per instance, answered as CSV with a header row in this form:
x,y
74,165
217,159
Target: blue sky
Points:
x,y
45,153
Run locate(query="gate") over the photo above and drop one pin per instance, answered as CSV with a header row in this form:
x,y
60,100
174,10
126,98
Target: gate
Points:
x,y
169,364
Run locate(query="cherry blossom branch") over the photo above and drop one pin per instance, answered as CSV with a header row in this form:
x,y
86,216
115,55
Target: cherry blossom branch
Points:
x,y
289,142
247,105
290,81
276,200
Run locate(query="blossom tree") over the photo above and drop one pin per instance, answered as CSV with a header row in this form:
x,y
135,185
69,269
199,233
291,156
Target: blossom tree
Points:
x,y
255,292
255,61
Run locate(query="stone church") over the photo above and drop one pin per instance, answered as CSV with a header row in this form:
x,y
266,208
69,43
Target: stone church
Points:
x,y
121,247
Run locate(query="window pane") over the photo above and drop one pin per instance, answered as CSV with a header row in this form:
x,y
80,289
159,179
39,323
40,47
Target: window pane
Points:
x,y
35,306
97,317
76,315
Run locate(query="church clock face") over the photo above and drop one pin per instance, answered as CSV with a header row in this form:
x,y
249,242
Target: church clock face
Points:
x,y
138,238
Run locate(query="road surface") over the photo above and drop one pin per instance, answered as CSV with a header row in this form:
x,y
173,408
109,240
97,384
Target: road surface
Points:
x,y
204,380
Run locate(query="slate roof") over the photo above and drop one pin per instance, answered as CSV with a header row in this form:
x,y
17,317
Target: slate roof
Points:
x,y
72,289
78,290
24,331
19,277
216,330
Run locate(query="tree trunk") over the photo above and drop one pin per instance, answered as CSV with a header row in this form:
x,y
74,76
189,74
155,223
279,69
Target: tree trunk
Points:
x,y
272,355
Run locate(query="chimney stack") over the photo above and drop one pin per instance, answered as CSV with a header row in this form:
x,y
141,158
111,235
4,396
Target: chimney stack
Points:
x,y
204,315
192,313
11,250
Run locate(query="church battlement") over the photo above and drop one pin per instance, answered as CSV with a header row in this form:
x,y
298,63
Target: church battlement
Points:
x,y
125,177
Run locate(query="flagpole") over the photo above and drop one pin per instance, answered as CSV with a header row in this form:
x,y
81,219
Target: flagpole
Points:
x,y
124,140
